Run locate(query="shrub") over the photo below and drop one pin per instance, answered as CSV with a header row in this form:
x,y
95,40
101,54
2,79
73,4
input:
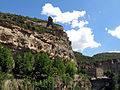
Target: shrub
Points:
x,y
43,65
71,69
66,79
108,73
58,63
25,64
6,61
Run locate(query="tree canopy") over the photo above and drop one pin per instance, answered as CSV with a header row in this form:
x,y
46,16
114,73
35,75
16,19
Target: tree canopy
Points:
x,y
6,61
70,68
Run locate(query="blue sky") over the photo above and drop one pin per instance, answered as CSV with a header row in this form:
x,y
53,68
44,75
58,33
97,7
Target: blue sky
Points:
x,y
93,26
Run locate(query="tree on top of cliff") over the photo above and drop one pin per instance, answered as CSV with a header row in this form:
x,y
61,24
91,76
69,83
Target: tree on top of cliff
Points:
x,y
50,21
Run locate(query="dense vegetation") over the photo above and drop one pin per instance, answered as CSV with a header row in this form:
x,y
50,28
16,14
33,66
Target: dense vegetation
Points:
x,y
6,65
106,56
113,83
37,69
83,60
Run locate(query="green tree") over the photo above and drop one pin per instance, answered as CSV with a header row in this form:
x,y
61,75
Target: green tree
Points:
x,y
29,62
19,65
51,83
47,84
108,73
83,71
53,71
66,79
58,63
113,82
43,65
50,21
6,61
71,69
25,64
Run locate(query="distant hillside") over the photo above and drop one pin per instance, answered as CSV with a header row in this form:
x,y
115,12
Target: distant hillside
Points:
x,y
106,56
83,60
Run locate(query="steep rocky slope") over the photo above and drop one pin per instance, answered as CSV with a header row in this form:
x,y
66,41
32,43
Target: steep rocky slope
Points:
x,y
23,34
53,41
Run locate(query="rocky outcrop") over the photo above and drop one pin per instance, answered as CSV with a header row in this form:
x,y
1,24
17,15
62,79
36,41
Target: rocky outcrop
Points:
x,y
113,65
13,84
82,82
20,40
18,84
79,83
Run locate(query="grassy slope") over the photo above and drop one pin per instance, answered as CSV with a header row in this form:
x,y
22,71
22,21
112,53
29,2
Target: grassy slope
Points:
x,y
86,60
24,22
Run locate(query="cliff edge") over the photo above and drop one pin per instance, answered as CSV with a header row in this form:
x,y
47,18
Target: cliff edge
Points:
x,y
21,34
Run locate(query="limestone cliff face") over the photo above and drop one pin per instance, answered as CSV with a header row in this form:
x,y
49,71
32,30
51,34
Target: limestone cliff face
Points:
x,y
20,40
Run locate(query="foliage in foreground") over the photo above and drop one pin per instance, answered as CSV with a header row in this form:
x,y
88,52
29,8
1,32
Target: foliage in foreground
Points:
x,y
113,83
6,61
37,69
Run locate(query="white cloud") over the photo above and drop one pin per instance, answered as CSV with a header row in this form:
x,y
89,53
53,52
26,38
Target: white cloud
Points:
x,y
80,24
106,28
58,16
113,51
49,10
82,38
115,33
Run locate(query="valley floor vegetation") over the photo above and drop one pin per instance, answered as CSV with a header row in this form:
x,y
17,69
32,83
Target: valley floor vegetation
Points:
x,y
37,69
